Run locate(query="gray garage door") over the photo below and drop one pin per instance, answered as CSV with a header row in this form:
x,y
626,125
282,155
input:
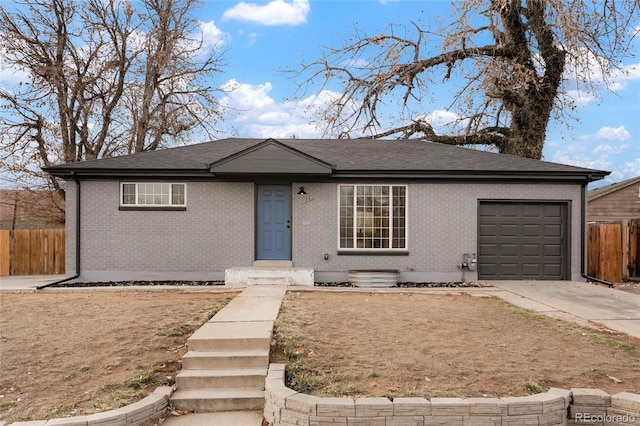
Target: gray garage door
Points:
x,y
522,240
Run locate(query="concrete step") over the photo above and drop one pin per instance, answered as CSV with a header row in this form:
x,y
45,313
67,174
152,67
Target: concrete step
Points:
x,y
227,378
222,418
269,280
273,263
239,277
214,400
193,360
229,336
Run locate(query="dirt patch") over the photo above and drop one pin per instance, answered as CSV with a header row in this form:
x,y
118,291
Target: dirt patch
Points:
x,y
68,354
412,344
629,287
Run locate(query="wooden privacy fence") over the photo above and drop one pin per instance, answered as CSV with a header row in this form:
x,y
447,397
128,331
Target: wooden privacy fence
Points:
x,y
32,251
613,250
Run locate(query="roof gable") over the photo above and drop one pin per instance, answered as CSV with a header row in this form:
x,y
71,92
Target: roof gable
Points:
x,y
270,157
594,194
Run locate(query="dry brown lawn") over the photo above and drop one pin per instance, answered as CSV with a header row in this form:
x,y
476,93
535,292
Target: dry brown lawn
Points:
x,y
74,353
381,344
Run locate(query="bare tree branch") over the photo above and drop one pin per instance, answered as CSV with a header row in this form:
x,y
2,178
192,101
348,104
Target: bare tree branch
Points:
x,y
102,79
514,55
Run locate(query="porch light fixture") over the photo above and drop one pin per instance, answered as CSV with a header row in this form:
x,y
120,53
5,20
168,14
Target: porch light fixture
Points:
x,y
302,191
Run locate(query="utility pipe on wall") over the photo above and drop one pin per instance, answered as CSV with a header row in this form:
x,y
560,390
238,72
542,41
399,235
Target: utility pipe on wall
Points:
x,y
583,251
75,178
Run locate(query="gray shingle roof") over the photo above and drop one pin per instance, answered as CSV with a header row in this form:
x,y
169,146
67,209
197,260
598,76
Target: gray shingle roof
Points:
x,y
346,156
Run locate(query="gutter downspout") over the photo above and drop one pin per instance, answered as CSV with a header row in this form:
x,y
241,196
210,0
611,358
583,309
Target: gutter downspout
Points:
x,y
75,178
583,220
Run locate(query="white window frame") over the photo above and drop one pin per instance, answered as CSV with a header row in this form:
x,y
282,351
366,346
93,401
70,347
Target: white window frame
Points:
x,y
151,206
355,219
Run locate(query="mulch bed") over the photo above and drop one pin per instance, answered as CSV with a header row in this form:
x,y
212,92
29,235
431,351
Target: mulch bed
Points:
x,y
458,284
138,283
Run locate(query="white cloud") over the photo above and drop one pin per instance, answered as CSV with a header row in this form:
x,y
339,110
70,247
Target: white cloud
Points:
x,y
276,12
246,97
580,97
587,75
254,113
9,74
274,118
213,38
581,159
12,76
613,133
444,121
609,149
629,169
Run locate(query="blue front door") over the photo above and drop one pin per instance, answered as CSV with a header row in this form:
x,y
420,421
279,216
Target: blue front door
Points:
x,y
273,223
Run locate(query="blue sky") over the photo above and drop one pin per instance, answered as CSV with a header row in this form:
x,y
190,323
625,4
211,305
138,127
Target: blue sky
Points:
x,y
262,38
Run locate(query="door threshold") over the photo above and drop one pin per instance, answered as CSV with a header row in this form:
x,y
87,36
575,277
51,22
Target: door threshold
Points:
x,y
273,263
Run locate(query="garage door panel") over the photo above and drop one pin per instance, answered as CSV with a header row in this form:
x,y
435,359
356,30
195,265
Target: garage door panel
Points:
x,y
509,211
509,250
552,230
488,269
532,230
488,250
509,270
531,210
550,269
531,250
488,210
552,250
553,210
522,240
488,230
531,270
510,230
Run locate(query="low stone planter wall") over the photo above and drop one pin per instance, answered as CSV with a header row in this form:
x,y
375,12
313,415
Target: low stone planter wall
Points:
x,y
286,407
139,413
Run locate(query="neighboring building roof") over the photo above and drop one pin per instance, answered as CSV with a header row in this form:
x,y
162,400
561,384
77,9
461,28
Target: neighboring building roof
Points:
x,y
27,209
335,157
594,194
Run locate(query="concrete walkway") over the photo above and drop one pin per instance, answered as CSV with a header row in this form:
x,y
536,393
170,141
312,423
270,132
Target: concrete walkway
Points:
x,y
246,320
584,303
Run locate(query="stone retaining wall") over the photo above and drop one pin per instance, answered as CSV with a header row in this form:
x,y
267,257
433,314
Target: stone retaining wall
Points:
x,y
139,413
286,407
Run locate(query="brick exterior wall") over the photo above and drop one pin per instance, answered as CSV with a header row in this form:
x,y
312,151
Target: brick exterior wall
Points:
x,y
217,231
442,226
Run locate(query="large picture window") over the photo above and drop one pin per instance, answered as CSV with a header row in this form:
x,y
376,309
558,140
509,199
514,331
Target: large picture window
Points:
x,y
373,217
153,194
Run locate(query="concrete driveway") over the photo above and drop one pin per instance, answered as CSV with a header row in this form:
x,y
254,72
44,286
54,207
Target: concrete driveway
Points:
x,y
581,302
27,282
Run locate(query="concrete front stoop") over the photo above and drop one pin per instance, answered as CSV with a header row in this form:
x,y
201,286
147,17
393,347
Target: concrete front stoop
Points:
x,y
269,272
226,365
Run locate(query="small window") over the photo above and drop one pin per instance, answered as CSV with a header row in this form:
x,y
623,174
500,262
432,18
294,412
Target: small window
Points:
x,y
153,194
372,217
